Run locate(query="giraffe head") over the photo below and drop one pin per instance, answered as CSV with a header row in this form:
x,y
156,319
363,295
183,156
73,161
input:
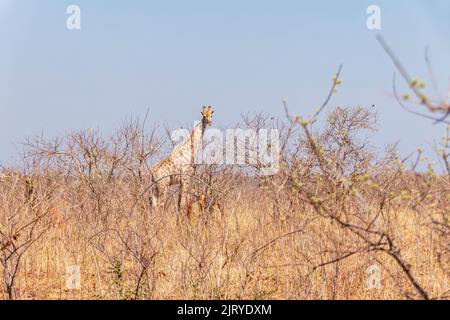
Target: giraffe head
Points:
x,y
207,114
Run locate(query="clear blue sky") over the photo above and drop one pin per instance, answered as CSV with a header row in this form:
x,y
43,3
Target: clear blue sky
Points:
x,y
239,56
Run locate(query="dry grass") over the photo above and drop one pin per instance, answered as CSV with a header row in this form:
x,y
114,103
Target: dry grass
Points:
x,y
198,261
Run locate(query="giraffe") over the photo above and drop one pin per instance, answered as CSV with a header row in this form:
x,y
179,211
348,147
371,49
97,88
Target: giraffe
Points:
x,y
180,164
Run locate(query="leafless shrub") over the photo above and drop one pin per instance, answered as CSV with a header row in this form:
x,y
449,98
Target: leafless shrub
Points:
x,y
26,201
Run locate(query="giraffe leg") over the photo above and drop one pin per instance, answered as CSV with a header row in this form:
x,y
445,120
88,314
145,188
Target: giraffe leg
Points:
x,y
156,195
153,200
182,199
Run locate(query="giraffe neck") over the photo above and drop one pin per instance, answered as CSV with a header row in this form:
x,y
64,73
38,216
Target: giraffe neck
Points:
x,y
196,139
199,129
185,156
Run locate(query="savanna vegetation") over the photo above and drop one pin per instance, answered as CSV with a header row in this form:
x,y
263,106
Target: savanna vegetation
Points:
x,y
337,210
